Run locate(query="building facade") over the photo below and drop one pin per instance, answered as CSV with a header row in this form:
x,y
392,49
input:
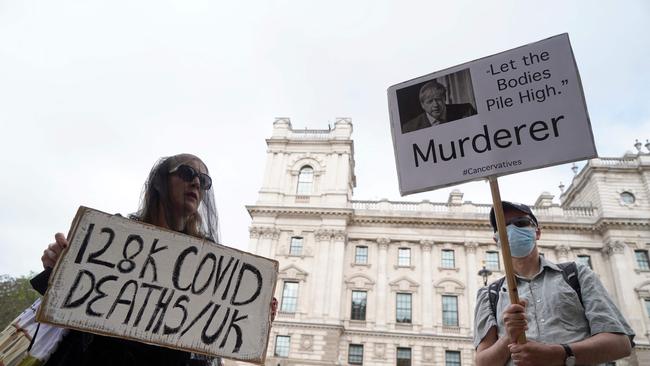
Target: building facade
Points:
x,y
395,283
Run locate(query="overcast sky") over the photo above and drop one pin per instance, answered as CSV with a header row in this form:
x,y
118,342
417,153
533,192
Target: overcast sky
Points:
x,y
92,93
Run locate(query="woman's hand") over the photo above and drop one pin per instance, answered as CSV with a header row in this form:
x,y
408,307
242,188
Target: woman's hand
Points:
x,y
53,251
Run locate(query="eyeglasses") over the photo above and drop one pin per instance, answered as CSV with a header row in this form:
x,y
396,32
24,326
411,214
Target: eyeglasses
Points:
x,y
187,173
522,221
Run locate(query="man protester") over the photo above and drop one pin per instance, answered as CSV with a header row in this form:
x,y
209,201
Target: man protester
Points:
x,y
565,323
433,98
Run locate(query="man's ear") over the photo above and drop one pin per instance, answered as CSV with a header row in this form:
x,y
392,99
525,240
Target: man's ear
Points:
x,y
538,233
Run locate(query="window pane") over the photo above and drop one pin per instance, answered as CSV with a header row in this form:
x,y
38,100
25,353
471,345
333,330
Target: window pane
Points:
x,y
403,308
403,356
296,246
492,260
282,346
450,311
448,260
647,307
642,259
305,180
361,255
289,297
355,354
585,260
452,358
404,257
359,299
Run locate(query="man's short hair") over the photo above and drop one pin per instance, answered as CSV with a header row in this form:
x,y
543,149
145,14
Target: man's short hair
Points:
x,y
433,86
512,206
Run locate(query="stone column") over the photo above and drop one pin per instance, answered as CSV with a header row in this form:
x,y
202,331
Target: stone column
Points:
x,y
254,235
620,271
321,262
472,273
264,244
336,274
427,286
282,175
382,283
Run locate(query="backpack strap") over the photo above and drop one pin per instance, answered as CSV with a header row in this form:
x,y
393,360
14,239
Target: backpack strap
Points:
x,y
570,274
493,294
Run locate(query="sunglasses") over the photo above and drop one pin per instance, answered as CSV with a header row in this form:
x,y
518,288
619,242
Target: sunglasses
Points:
x,y
522,221
187,173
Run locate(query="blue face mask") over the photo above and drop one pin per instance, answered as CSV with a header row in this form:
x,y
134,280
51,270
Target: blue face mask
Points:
x,y
521,239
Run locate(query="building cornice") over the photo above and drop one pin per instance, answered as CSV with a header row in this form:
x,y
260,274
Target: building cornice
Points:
x,y
370,333
297,211
402,335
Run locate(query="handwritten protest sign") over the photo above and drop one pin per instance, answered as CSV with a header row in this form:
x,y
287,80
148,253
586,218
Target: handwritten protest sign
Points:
x,y
131,280
514,111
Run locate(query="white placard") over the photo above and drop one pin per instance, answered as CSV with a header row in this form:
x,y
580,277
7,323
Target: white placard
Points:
x,y
514,111
126,279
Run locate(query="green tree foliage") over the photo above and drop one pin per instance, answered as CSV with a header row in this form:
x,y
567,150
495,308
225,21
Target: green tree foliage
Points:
x,y
16,294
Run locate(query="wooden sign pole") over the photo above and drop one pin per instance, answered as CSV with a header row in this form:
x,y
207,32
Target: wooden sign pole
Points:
x,y
505,247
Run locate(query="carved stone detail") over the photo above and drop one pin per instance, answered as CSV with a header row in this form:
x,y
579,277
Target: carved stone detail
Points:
x,y
614,247
339,235
306,342
323,234
562,250
264,232
471,246
426,244
383,243
380,350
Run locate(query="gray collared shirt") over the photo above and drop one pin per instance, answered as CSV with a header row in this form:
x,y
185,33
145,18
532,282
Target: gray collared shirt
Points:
x,y
554,312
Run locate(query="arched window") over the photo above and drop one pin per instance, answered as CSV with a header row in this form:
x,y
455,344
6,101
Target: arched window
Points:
x,y
305,180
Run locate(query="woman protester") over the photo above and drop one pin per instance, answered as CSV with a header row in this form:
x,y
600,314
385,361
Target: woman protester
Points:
x,y
177,196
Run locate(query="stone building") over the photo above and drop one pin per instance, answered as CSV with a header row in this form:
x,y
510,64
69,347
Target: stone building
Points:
x,y
394,283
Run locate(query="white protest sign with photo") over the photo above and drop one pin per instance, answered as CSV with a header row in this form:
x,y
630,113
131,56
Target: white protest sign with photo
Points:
x,y
131,280
514,111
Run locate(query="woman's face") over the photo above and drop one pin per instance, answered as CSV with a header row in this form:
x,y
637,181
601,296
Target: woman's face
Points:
x,y
186,195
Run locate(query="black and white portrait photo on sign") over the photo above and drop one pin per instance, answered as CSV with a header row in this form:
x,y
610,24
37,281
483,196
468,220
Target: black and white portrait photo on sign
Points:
x,y
433,102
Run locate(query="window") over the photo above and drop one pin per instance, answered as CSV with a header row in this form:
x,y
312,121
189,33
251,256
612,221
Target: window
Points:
x,y
404,257
403,356
403,313
448,260
492,261
355,354
452,358
289,297
450,311
359,299
642,260
585,260
627,198
361,255
305,180
647,306
296,246
282,346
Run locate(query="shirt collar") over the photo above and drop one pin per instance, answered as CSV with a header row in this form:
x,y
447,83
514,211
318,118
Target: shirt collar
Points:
x,y
542,264
432,120
545,263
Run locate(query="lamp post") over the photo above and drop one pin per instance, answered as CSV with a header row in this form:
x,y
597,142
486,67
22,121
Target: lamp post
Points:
x,y
485,273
